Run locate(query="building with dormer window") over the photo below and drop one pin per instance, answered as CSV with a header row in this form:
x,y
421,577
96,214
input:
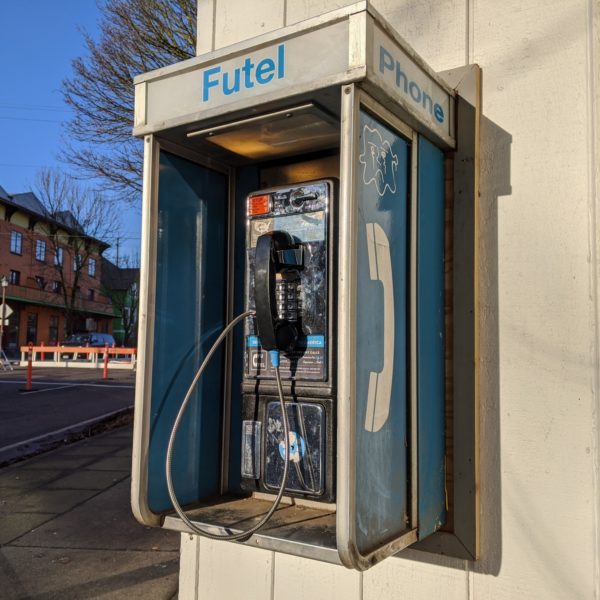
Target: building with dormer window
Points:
x,y
42,269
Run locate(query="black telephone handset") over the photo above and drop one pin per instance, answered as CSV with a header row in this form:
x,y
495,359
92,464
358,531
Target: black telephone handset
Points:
x,y
276,251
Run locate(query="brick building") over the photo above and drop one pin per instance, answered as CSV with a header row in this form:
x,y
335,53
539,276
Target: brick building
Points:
x,y
39,269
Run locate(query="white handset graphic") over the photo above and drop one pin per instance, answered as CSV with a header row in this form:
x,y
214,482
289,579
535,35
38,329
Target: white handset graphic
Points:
x,y
380,383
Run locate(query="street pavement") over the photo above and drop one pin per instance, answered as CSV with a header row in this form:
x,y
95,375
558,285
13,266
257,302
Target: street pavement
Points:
x,y
62,404
67,532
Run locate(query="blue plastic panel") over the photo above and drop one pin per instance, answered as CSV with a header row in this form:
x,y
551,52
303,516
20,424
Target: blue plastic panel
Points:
x,y
382,341
189,315
430,337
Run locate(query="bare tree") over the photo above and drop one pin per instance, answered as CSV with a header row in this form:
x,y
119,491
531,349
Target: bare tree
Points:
x,y
80,225
129,310
120,283
135,36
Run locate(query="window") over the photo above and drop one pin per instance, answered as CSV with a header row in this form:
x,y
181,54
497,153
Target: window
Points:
x,y
14,277
32,320
56,287
58,257
16,242
53,329
91,294
40,281
76,262
92,267
40,250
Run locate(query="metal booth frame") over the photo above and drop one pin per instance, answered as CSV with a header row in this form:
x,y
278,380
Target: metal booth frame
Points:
x,y
342,85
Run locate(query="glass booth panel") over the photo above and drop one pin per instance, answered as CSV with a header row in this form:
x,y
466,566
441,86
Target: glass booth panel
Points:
x,y
430,338
190,312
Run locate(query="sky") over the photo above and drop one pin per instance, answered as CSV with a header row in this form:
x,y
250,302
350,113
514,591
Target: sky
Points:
x,y
40,38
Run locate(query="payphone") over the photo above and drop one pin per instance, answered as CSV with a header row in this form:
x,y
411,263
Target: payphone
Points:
x,y
290,390
288,284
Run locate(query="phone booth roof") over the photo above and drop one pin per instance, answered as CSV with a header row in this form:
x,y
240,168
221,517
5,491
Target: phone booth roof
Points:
x,y
304,64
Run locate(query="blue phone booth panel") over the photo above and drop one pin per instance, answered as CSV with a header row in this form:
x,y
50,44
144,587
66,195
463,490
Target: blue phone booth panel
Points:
x,y
190,306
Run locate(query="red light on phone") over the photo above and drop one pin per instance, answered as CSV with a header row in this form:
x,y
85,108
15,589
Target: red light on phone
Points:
x,y
258,205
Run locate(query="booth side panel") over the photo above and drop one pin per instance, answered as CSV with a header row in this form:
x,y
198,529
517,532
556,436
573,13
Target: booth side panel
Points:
x,y
430,337
381,340
190,313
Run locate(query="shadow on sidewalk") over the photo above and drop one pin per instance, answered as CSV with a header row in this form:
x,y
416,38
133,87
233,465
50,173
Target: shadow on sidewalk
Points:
x,y
67,532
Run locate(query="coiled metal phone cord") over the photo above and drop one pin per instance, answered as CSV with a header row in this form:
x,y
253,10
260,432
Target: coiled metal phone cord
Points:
x,y
242,535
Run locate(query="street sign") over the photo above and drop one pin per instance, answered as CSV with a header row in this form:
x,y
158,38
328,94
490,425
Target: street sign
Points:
x,y
5,323
5,311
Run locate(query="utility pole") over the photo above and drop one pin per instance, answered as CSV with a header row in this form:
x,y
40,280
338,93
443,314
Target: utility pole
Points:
x,y
3,359
4,284
118,244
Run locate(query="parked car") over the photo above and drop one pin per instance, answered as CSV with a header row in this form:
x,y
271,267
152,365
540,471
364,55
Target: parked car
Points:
x,y
89,340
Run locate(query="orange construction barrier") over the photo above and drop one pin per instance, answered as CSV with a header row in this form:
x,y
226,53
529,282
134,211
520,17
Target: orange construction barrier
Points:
x,y
105,370
84,352
29,368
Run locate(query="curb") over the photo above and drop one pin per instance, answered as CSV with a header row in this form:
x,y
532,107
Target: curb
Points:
x,y
67,435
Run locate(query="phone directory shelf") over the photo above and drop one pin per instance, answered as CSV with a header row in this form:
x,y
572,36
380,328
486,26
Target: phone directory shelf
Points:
x,y
293,526
315,200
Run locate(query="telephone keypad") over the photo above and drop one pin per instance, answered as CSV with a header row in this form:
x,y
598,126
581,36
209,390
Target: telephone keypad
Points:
x,y
286,298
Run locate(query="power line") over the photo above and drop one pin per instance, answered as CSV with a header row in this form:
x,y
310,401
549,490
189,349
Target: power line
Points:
x,y
30,119
13,165
34,107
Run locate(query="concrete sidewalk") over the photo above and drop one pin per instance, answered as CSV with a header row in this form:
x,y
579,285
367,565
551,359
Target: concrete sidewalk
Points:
x,y
67,532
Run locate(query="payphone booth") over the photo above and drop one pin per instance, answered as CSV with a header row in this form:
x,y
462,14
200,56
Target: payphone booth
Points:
x,y
295,182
